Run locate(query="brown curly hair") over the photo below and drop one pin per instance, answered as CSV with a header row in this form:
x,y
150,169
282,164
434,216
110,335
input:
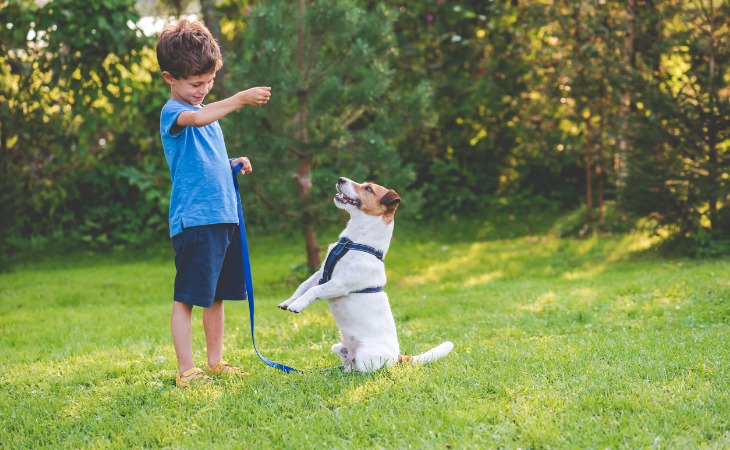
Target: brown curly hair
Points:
x,y
186,49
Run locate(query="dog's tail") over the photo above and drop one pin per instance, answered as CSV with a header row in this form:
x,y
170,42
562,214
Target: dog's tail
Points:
x,y
429,356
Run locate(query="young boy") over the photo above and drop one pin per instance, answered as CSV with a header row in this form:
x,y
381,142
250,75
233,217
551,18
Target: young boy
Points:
x,y
203,208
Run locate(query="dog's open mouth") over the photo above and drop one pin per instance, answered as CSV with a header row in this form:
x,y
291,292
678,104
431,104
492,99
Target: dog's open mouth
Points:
x,y
342,198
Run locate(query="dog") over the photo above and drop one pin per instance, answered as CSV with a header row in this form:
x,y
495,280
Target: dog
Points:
x,y
352,277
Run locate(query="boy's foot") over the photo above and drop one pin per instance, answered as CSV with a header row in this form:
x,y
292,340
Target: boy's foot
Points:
x,y
223,368
192,376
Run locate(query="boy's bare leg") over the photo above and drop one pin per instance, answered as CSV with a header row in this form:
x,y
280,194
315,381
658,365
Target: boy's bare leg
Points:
x,y
181,335
213,322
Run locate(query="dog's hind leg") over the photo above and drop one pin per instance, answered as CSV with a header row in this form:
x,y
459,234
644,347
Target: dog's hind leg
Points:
x,y
341,351
369,362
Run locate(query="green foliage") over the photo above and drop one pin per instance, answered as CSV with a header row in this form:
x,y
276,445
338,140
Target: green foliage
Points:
x,y
331,107
461,106
680,171
559,344
79,127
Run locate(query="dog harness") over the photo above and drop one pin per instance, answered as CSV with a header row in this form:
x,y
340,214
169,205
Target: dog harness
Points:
x,y
343,246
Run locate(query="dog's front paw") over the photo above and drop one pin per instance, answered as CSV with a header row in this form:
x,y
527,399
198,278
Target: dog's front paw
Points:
x,y
285,304
297,306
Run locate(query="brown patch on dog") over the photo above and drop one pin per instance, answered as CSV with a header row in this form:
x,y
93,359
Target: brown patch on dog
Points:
x,y
375,200
390,200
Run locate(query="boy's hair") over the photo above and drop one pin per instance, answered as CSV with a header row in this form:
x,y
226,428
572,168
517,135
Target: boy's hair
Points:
x,y
187,49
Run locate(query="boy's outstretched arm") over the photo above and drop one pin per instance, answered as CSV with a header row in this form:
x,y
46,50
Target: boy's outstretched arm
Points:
x,y
256,96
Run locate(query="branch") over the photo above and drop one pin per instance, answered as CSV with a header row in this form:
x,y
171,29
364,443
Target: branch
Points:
x,y
351,116
271,205
300,154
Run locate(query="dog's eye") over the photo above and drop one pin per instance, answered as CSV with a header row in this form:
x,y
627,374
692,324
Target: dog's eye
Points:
x,y
369,189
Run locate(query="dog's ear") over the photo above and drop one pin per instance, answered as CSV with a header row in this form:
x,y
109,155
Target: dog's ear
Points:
x,y
391,199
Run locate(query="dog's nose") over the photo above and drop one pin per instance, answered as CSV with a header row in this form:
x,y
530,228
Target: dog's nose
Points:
x,y
341,180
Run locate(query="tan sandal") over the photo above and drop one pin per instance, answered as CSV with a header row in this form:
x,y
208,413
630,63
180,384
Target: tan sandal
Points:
x,y
223,368
192,376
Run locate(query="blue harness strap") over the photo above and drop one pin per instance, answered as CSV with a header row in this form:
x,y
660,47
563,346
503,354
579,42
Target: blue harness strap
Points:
x,y
340,250
249,280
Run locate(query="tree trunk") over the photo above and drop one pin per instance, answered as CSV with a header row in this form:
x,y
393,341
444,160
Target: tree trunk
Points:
x,y
589,169
713,129
621,158
601,159
303,175
211,20
580,107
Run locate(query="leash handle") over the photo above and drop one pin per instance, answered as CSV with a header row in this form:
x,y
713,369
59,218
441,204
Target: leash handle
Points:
x,y
248,278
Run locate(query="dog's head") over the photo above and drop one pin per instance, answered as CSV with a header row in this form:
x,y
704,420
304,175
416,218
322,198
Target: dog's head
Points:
x,y
368,198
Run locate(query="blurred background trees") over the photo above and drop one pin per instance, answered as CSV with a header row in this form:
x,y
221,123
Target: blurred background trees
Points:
x,y
612,110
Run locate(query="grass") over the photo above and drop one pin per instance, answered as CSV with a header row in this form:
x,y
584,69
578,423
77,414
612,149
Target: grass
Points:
x,y
597,343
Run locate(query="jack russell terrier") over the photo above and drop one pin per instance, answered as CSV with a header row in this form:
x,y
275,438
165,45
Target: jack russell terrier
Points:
x,y
352,279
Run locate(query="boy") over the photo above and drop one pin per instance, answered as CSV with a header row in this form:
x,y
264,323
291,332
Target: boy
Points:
x,y
203,208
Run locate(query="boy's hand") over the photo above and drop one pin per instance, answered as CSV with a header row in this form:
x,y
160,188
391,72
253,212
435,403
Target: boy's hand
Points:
x,y
257,96
245,165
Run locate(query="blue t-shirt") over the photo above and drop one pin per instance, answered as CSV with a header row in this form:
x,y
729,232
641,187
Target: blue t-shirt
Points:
x,y
202,187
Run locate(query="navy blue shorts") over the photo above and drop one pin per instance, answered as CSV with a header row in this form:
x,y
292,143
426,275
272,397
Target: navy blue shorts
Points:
x,y
209,265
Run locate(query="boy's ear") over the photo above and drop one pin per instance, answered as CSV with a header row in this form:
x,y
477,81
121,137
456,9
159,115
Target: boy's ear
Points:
x,y
169,79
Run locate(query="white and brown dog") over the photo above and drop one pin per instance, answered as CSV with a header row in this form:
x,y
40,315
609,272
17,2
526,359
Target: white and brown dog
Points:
x,y
352,278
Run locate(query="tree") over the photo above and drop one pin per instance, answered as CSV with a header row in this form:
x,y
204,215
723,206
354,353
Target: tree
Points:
x,y
332,112
684,128
73,90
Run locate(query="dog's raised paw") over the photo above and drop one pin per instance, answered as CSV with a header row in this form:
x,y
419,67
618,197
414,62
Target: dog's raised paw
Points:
x,y
296,307
285,304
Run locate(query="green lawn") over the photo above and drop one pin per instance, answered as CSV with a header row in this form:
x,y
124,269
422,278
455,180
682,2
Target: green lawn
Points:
x,y
597,343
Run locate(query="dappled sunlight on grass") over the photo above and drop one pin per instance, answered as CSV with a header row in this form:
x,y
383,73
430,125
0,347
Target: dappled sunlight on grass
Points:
x,y
484,278
367,390
585,272
583,296
367,386
93,368
457,264
544,302
649,304
617,251
558,343
481,263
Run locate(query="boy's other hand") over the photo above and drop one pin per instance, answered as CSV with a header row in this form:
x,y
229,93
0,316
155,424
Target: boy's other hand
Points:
x,y
256,96
245,165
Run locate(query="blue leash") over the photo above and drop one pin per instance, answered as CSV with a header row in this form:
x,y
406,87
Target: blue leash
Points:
x,y
247,276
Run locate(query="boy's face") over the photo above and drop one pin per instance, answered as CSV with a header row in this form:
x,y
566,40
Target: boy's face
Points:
x,y
191,90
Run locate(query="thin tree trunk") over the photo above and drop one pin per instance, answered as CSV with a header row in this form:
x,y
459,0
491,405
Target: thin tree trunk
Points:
x,y
587,121
3,138
303,175
600,163
211,20
621,158
713,129
589,169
